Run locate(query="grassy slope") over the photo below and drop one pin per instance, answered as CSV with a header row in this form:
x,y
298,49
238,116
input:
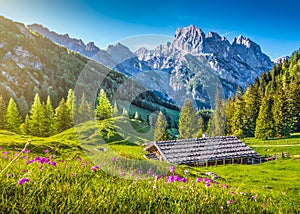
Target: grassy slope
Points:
x,y
280,178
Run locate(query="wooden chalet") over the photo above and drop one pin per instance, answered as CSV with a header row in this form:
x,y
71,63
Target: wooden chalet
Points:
x,y
203,151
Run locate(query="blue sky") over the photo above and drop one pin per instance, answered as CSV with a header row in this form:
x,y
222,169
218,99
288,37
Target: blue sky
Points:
x,y
274,25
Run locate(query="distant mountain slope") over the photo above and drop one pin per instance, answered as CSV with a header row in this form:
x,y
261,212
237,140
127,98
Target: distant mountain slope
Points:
x,y
218,62
31,63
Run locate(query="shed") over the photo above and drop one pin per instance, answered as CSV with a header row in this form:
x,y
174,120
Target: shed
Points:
x,y
202,151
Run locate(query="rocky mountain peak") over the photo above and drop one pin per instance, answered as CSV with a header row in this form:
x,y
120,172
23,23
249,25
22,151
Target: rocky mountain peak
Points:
x,y
245,41
191,39
92,47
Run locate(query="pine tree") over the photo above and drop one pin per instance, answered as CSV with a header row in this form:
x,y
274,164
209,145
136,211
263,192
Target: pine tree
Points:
x,y
61,113
71,106
115,110
229,109
104,108
281,114
252,103
84,110
160,128
201,127
49,123
37,117
2,113
265,124
293,99
25,127
187,121
136,115
23,106
238,115
124,112
13,118
218,119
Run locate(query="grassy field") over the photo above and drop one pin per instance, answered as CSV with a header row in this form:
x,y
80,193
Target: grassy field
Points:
x,y
79,171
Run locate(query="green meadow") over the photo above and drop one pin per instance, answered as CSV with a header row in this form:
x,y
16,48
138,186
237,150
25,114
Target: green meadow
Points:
x,y
98,168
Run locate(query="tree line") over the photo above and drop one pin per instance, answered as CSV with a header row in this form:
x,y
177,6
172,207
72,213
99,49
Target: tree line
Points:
x,y
43,120
268,108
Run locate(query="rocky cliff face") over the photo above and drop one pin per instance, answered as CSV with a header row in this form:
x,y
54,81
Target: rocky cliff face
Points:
x,y
193,62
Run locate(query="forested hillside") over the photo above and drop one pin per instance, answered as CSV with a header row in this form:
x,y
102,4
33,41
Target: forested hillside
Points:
x,y
271,106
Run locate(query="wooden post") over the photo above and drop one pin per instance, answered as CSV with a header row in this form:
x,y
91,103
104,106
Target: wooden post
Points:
x,y
206,163
241,160
216,162
224,161
232,161
260,160
252,161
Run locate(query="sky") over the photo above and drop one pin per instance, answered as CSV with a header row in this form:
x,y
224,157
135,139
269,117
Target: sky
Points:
x,y
273,25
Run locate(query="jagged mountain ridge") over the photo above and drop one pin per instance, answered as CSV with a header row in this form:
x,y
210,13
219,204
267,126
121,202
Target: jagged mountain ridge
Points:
x,y
234,64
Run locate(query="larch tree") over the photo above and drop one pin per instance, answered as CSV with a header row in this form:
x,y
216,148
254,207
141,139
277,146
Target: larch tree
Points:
x,y
160,128
200,127
13,118
104,108
187,121
37,117
84,110
218,119
49,123
71,105
61,113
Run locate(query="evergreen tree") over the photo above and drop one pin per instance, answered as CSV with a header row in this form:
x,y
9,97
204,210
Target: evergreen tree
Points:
x,y
293,99
49,123
25,127
281,114
71,106
124,112
23,106
136,115
84,110
115,110
2,113
160,128
61,113
201,127
37,117
104,108
229,111
218,119
252,103
265,124
238,115
13,118
187,121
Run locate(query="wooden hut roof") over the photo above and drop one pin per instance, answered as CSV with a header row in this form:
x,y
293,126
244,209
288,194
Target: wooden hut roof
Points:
x,y
200,150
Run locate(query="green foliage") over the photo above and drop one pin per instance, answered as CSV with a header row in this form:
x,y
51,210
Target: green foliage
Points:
x,y
84,111
271,106
37,117
2,113
217,126
187,121
71,104
160,128
104,108
201,127
49,122
265,123
13,118
63,116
